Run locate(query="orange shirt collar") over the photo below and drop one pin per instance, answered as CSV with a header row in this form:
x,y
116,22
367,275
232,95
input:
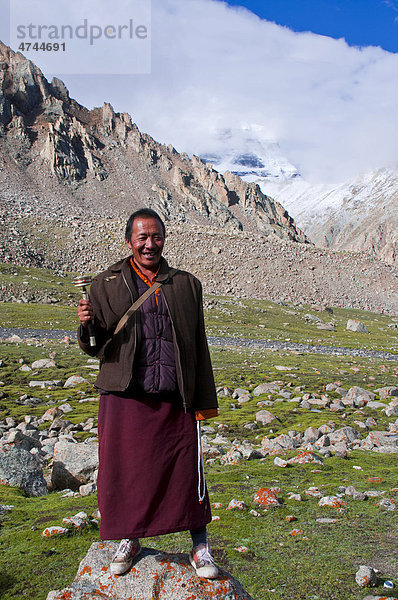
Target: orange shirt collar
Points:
x,y
141,274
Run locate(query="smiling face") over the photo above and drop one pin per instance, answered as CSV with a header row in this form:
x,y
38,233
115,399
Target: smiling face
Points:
x,y
146,243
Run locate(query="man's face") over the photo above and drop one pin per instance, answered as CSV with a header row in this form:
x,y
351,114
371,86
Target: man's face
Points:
x,y
147,241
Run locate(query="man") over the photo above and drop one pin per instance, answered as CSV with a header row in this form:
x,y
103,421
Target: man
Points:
x,y
156,384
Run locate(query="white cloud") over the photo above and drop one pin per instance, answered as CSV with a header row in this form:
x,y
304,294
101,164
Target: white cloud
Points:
x,y
69,36
333,108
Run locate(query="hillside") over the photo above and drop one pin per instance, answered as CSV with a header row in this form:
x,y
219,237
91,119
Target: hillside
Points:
x,y
59,158
70,176
360,215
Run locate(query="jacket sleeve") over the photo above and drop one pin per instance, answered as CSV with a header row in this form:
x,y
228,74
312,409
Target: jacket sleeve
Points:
x,y
205,389
102,334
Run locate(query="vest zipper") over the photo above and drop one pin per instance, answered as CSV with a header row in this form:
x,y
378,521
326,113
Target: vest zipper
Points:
x,y
135,328
177,356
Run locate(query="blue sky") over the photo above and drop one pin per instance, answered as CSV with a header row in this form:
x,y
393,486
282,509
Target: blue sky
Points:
x,y
359,22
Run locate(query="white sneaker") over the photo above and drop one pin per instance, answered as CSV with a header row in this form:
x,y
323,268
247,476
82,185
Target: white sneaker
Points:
x,y
203,562
125,554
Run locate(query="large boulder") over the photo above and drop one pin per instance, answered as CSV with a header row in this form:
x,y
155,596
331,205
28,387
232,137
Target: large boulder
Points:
x,y
43,363
345,434
387,391
358,397
355,325
74,464
264,417
21,469
74,380
381,439
154,575
18,439
266,388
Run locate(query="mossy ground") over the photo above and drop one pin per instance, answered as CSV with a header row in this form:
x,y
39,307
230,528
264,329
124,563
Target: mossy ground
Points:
x,y
278,565
263,319
33,565
31,279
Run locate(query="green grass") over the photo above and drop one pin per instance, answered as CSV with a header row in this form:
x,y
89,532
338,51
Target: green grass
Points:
x,y
38,316
31,565
31,280
15,383
262,319
325,563
312,372
321,567
225,316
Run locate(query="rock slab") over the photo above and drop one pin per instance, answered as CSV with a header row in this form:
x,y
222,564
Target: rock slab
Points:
x,y
154,575
20,468
74,464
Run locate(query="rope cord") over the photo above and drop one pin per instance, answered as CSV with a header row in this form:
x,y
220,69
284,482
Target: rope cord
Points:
x,y
201,471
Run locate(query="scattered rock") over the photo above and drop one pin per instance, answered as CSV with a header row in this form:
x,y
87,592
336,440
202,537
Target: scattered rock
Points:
x,y
366,576
374,480
54,531
306,457
78,521
43,363
65,408
345,434
232,457
51,414
355,394
87,489
74,464
387,503
279,462
45,384
266,388
326,521
380,598
387,391
311,434
264,417
236,505
293,496
354,325
240,392
14,339
332,501
266,498
75,380
314,492
375,404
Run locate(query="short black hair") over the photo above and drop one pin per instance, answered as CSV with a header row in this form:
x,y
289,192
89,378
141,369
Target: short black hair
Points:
x,y
146,213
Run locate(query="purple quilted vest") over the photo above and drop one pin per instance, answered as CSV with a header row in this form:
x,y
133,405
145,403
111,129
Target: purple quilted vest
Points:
x,y
154,365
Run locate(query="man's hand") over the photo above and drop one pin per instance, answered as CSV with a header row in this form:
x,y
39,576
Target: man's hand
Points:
x,y
85,312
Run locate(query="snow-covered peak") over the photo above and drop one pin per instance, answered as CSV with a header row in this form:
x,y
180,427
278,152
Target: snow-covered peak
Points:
x,y
308,202
247,152
359,215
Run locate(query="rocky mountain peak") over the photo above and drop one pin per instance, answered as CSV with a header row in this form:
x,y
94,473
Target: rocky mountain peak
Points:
x,y
97,162
22,84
